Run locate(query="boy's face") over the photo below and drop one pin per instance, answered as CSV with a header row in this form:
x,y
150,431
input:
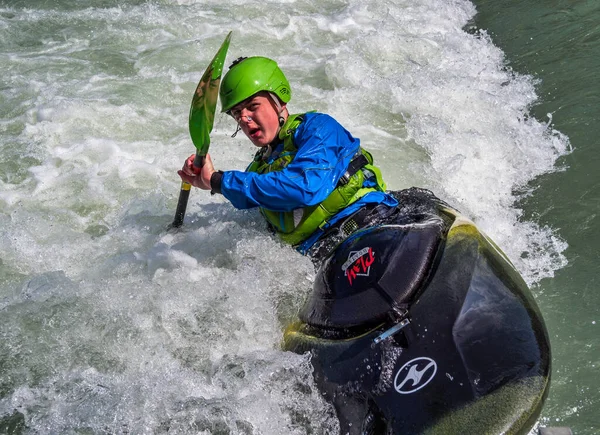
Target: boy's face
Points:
x,y
258,118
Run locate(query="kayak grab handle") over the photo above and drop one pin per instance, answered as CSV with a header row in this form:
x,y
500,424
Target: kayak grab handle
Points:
x,y
393,330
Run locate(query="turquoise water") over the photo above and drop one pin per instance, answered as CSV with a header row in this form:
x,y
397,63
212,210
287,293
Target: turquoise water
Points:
x,y
111,324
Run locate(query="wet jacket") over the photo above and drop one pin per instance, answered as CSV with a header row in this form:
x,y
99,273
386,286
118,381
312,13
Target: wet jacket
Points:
x,y
302,173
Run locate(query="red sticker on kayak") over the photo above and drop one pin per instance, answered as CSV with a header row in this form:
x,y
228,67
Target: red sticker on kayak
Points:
x,y
358,264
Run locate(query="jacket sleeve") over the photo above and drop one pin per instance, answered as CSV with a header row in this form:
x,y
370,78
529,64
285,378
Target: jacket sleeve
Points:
x,y
325,150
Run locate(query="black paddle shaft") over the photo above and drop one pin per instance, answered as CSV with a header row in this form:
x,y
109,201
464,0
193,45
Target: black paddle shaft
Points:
x,y
184,195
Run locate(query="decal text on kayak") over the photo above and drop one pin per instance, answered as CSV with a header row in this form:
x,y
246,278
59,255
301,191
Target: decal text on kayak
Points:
x,y
358,263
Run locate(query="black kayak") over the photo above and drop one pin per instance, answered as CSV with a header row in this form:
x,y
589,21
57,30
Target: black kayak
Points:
x,y
418,323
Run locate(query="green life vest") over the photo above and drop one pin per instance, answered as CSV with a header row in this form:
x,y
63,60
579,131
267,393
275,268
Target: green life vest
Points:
x,y
297,225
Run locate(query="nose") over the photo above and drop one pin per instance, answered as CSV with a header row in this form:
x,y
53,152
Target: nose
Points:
x,y
244,118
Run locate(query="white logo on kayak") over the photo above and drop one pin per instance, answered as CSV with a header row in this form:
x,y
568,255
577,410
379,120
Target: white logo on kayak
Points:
x,y
414,375
358,263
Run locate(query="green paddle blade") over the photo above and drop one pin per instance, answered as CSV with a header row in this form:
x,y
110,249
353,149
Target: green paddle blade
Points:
x,y
204,103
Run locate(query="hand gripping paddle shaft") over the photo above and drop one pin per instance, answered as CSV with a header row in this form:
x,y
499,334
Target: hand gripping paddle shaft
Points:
x,y
202,117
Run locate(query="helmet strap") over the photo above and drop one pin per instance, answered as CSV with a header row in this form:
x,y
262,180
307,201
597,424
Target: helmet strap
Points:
x,y
237,130
276,101
279,109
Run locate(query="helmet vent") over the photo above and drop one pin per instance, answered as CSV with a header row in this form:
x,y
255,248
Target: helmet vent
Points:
x,y
238,60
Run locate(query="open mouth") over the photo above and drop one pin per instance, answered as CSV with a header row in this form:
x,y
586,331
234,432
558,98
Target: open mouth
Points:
x,y
253,131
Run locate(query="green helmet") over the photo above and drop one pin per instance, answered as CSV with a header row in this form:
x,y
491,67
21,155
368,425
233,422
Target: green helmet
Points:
x,y
250,75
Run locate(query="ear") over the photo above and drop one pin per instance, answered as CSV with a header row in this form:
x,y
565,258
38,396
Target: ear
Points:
x,y
283,115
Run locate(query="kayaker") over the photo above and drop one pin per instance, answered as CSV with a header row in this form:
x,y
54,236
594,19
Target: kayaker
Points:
x,y
310,178
405,307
